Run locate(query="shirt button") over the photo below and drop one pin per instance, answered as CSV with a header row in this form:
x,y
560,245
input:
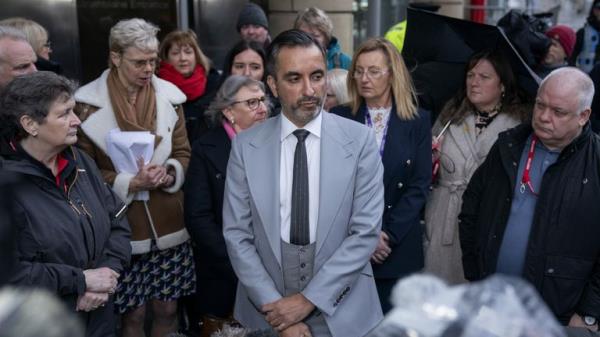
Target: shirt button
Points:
x,y
408,162
389,206
302,265
303,278
400,185
514,163
550,270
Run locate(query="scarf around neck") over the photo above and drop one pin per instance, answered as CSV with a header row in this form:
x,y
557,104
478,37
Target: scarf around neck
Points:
x,y
192,86
140,116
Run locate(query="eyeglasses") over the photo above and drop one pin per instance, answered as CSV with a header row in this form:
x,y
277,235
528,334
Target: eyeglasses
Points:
x,y
141,64
373,74
252,103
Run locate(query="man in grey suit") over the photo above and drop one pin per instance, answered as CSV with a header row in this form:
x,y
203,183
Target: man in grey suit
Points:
x,y
302,207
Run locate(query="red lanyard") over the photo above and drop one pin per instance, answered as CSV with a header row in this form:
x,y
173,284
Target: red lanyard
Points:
x,y
526,179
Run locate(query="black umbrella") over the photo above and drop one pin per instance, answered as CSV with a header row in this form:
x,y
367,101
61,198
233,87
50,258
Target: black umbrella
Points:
x,y
436,49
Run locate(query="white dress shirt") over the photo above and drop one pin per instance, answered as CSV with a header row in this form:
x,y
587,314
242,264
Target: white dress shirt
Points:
x,y
286,173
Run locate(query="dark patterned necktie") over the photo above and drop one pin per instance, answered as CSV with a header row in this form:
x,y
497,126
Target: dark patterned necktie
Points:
x,y
299,234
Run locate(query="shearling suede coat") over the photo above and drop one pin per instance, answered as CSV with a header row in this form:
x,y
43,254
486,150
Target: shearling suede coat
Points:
x,y
158,221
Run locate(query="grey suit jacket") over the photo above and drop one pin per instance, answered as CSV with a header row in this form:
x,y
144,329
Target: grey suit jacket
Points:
x,y
348,226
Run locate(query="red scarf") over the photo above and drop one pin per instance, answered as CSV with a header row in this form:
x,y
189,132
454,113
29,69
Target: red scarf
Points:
x,y
192,86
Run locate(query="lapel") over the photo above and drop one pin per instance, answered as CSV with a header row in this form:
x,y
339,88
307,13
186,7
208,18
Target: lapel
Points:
x,y
336,173
464,135
217,147
97,126
262,166
394,139
488,136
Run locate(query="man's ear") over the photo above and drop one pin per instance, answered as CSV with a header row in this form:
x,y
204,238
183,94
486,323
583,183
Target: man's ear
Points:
x,y
29,125
272,85
584,116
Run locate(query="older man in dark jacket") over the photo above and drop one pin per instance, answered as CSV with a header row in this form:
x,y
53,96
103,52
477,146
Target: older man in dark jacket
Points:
x,y
532,209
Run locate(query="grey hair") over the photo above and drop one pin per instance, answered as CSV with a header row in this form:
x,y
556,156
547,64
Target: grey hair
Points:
x,y
226,96
11,33
36,34
31,95
574,78
336,80
137,33
8,32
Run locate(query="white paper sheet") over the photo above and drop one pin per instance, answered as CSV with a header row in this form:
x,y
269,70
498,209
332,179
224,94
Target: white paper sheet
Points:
x,y
125,147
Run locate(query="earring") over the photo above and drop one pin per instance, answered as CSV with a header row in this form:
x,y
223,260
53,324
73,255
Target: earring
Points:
x,y
232,120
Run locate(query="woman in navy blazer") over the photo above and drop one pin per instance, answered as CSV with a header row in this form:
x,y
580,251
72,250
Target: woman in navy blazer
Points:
x,y
383,98
239,104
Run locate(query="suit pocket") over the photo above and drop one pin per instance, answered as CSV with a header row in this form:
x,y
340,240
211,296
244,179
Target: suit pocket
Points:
x,y
564,281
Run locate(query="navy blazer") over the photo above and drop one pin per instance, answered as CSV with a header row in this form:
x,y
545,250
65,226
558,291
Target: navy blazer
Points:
x,y
203,203
407,177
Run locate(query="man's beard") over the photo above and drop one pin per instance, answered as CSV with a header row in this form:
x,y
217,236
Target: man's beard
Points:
x,y
303,116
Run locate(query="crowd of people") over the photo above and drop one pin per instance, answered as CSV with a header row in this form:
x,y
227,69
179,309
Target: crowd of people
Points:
x,y
291,190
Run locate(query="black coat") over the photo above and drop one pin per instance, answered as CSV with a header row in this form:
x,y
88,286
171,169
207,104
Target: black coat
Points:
x,y
60,234
195,121
406,177
563,254
204,187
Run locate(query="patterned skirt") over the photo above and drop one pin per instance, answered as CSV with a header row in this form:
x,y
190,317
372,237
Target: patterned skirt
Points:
x,y
164,275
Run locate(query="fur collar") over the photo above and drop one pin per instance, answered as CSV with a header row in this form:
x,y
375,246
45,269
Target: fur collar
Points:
x,y
97,126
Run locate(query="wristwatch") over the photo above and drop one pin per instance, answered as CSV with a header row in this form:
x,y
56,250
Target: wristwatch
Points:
x,y
589,320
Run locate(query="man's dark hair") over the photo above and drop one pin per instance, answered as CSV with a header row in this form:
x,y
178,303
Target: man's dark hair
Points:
x,y
31,95
289,38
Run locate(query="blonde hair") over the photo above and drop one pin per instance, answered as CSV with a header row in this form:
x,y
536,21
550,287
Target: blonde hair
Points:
x,y
403,90
36,35
182,38
315,17
336,80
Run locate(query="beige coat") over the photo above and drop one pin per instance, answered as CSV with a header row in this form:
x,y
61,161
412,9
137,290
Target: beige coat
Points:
x,y
161,217
462,153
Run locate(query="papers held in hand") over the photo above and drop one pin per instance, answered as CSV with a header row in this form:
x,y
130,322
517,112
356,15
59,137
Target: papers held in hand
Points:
x,y
125,148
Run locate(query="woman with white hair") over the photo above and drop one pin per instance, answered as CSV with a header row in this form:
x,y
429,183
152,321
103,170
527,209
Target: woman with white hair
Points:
x,y
337,90
129,97
317,24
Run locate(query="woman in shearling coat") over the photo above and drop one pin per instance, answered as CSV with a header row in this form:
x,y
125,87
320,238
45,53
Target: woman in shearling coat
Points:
x,y
128,96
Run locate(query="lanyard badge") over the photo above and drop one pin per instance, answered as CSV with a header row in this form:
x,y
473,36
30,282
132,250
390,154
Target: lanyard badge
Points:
x,y
526,179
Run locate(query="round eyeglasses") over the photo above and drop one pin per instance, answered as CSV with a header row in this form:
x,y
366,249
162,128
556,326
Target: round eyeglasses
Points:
x,y
252,103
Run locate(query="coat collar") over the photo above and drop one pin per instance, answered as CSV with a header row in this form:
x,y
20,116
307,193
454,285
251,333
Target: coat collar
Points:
x,y
464,133
95,93
97,126
216,145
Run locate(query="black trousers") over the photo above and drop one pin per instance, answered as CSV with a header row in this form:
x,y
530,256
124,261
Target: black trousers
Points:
x,y
384,289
